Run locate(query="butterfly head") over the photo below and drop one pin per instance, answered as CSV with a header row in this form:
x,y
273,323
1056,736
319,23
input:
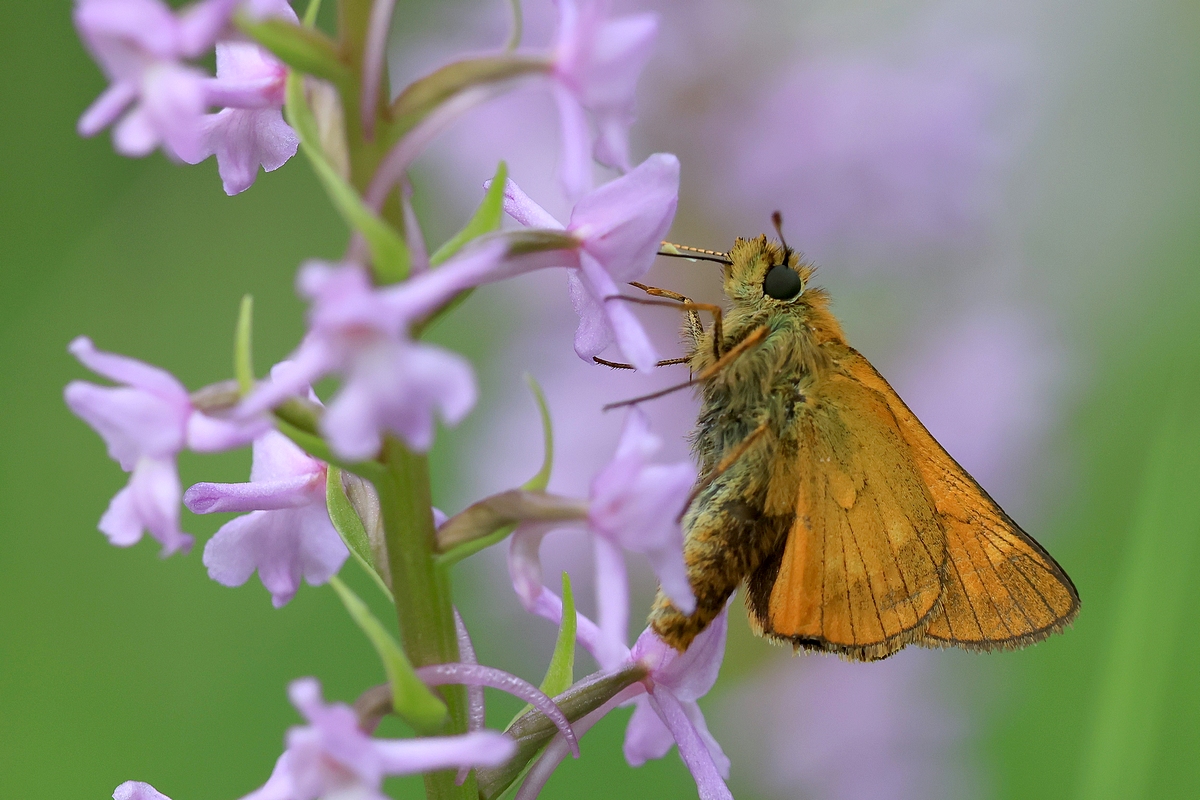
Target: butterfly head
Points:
x,y
768,280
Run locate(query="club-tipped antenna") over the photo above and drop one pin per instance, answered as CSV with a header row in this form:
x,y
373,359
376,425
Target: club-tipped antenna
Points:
x,y
694,253
777,219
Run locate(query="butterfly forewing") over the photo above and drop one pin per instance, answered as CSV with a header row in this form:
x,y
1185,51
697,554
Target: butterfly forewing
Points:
x,y
1002,589
861,573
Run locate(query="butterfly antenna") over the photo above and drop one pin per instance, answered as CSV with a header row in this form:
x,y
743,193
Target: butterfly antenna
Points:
x,y
777,219
700,254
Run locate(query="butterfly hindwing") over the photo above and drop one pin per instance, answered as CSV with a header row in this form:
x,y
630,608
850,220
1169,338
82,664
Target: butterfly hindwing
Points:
x,y
1002,589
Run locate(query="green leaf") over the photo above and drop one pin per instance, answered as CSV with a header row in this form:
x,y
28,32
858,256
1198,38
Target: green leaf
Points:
x,y
411,698
302,48
485,219
348,525
561,672
1153,616
537,483
243,358
424,95
390,258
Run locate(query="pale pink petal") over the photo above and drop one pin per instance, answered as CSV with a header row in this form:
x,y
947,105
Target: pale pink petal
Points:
x,y
287,537
623,222
524,562
245,139
276,457
575,163
622,48
105,110
646,736
627,331
207,434
123,369
524,210
132,422
173,100
201,23
136,790
612,592
150,502
280,785
211,498
478,749
692,747
594,333
314,359
399,388
691,674
696,716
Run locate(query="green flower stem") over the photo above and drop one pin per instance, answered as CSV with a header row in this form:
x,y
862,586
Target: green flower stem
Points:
x,y
422,590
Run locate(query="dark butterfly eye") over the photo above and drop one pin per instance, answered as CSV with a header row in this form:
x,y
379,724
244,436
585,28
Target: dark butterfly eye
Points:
x,y
782,283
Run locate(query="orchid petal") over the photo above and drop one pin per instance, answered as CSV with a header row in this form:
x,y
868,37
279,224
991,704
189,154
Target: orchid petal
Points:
x,y
137,790
211,498
646,736
524,210
692,747
130,371
149,502
478,749
575,163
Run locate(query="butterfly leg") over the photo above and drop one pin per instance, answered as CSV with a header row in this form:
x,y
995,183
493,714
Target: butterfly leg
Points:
x,y
619,365
694,329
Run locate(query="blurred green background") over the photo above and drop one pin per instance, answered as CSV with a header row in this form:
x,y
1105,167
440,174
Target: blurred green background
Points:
x,y
116,665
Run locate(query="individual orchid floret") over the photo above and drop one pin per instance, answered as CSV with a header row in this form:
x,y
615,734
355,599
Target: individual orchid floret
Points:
x,y
332,757
596,64
141,45
633,505
612,237
137,790
286,536
391,383
146,422
666,710
619,228
668,714
638,505
249,132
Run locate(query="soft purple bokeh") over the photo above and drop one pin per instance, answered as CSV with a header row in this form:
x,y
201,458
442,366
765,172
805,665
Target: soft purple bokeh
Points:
x,y
286,536
146,422
859,148
817,726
